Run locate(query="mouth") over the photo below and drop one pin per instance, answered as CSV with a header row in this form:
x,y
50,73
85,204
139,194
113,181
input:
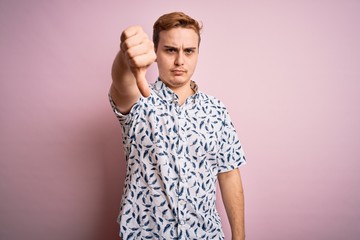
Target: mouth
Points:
x,y
178,72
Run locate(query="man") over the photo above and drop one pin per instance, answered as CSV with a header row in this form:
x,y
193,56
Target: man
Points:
x,y
178,141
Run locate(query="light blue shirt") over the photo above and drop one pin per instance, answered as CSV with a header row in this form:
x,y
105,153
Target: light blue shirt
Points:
x,y
174,153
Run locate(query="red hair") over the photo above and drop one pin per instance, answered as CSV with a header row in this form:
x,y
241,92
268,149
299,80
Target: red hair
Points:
x,y
174,20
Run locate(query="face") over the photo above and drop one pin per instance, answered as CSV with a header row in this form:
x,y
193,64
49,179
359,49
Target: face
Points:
x,y
177,55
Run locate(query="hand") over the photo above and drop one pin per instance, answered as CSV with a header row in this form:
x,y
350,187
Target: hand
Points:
x,y
139,53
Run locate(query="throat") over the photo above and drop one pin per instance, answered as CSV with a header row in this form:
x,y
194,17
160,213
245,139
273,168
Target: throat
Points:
x,y
183,93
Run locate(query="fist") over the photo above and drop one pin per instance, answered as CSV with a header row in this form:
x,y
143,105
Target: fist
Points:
x,y
139,54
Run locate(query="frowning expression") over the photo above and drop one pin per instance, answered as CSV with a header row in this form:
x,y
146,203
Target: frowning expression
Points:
x,y
177,55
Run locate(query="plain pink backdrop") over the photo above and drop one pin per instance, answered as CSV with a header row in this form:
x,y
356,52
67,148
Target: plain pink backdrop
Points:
x,y
288,71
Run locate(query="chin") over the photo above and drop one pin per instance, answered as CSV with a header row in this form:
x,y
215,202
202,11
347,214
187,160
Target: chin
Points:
x,y
175,81
179,81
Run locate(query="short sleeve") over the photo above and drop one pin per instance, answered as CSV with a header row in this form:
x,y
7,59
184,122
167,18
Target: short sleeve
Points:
x,y
123,118
231,154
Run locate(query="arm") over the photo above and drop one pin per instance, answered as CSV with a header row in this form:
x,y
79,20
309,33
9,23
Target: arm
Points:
x,y
233,198
129,68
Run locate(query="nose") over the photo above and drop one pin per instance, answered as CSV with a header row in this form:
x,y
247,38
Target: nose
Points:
x,y
179,60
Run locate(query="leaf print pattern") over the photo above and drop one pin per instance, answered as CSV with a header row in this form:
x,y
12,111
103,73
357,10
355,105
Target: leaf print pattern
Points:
x,y
173,155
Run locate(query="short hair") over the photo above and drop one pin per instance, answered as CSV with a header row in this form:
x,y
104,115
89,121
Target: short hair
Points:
x,y
173,20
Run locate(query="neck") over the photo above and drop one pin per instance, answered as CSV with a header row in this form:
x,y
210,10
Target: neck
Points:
x,y
183,92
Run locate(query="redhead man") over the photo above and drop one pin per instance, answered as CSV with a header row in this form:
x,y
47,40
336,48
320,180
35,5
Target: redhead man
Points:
x,y
178,141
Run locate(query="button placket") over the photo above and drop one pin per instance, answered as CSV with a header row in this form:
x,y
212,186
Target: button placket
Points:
x,y
182,201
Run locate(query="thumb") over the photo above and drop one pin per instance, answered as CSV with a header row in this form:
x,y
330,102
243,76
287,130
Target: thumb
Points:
x,y
141,81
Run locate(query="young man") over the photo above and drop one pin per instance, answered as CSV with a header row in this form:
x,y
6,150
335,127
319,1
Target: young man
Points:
x,y
178,141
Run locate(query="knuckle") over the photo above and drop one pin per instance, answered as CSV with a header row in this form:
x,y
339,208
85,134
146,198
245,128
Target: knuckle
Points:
x,y
130,53
151,44
125,45
135,61
154,56
138,28
132,62
125,34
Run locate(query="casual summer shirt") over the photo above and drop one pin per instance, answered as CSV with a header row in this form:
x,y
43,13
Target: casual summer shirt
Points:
x,y
174,153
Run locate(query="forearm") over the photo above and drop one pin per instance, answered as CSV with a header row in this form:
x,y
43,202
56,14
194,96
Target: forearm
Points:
x,y
123,89
129,68
121,73
233,199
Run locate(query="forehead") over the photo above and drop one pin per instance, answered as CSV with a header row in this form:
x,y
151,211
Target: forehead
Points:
x,y
179,36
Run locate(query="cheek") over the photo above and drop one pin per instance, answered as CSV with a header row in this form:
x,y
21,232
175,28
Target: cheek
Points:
x,y
162,62
162,67
193,64
159,62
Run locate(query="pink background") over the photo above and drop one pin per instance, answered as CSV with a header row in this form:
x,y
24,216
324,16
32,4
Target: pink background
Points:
x,y
288,72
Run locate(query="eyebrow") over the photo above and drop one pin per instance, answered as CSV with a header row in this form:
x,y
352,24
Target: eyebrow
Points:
x,y
172,47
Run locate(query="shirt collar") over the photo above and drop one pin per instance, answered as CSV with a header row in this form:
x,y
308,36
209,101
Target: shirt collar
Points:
x,y
167,94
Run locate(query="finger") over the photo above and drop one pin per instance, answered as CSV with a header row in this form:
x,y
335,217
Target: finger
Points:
x,y
133,38
129,32
141,81
134,41
140,49
142,61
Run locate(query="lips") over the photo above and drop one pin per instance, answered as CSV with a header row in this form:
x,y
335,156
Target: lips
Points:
x,y
178,71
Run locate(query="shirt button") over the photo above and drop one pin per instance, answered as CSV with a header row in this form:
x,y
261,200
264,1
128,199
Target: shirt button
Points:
x,y
182,202
183,179
182,222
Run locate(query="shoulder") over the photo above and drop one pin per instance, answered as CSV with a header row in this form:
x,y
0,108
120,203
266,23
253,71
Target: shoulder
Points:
x,y
211,100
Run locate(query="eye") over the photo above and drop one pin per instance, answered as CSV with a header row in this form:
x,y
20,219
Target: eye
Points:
x,y
189,51
170,50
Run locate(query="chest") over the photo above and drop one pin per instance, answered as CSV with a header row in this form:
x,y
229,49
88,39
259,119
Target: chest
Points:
x,y
193,129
